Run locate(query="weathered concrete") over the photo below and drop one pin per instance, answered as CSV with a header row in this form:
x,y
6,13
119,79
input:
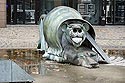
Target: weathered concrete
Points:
x,y
64,73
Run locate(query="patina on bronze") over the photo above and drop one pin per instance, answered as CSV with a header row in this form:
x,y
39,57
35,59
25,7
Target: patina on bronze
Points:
x,y
66,37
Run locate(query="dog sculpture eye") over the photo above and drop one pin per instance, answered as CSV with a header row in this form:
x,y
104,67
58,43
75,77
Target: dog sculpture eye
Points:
x,y
79,30
74,30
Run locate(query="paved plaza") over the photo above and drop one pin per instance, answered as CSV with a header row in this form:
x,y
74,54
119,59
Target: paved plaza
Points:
x,y
27,36
108,37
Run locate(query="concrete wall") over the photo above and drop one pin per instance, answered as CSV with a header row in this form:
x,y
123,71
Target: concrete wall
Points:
x,y
2,13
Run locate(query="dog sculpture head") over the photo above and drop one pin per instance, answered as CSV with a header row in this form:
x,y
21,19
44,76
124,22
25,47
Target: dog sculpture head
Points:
x,y
75,34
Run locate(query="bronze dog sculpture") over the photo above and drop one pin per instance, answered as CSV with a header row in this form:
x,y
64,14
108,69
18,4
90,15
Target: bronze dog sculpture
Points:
x,y
66,37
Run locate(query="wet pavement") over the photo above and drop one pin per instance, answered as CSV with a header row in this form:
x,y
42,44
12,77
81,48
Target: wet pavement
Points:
x,y
52,72
65,73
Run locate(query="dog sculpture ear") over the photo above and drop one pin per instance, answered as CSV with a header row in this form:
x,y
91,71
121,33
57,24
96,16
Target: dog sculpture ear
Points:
x,y
85,26
65,27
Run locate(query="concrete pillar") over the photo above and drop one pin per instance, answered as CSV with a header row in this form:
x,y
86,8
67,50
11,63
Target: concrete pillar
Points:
x,y
2,13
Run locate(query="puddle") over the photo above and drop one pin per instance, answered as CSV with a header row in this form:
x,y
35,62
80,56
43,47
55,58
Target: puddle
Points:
x,y
115,53
30,59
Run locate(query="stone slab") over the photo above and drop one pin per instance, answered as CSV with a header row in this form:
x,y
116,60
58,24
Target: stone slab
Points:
x,y
11,72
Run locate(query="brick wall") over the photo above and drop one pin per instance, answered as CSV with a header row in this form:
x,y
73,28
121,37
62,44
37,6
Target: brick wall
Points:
x,y
2,13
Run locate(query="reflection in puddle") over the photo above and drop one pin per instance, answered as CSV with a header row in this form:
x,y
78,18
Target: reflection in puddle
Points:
x,y
117,53
28,59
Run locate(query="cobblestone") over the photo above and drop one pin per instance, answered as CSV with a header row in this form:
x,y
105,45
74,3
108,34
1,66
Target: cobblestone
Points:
x,y
27,36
